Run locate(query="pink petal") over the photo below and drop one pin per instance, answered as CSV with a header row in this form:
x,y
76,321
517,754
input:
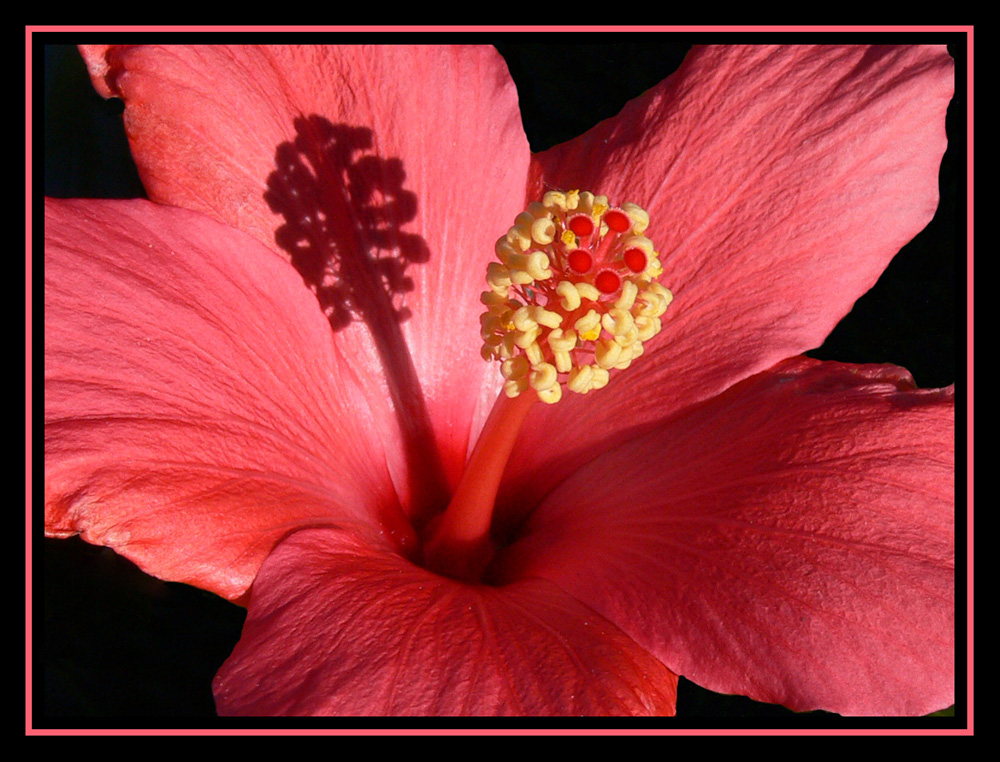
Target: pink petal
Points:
x,y
195,408
338,625
244,134
791,540
780,183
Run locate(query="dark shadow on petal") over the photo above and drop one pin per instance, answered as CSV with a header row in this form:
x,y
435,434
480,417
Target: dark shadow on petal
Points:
x,y
344,208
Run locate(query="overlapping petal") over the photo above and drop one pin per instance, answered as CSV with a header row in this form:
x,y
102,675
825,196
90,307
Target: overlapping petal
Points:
x,y
414,154
780,183
339,624
796,534
196,410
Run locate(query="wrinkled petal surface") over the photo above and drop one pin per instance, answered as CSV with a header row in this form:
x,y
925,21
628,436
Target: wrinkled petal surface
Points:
x,y
339,625
780,182
407,161
791,540
196,410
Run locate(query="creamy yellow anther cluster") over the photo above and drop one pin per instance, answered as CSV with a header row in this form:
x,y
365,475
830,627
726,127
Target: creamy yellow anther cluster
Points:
x,y
573,296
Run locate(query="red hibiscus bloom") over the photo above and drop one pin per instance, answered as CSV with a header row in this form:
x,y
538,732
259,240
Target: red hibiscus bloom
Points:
x,y
724,509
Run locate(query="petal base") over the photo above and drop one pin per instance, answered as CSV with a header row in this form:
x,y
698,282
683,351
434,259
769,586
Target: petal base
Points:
x,y
375,635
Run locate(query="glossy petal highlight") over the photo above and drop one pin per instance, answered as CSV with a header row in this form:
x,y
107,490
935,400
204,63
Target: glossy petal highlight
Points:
x,y
796,534
375,635
195,408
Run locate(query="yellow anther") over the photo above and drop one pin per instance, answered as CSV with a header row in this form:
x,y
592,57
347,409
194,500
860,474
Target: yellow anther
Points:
x,y
580,379
555,201
650,304
537,209
638,215
525,339
562,343
666,293
538,266
589,326
607,353
514,367
629,336
492,341
517,260
617,321
524,221
493,298
545,317
497,275
627,299
628,354
531,316
647,327
522,319
571,298
542,376
570,295
519,239
655,299
551,395
491,324
588,291
521,277
505,313
503,249
512,387
543,231
507,346
533,352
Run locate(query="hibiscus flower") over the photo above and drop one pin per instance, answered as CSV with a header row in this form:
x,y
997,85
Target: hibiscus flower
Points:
x,y
268,383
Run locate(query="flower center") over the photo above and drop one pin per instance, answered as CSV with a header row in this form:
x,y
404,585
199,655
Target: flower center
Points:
x,y
572,298
574,295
